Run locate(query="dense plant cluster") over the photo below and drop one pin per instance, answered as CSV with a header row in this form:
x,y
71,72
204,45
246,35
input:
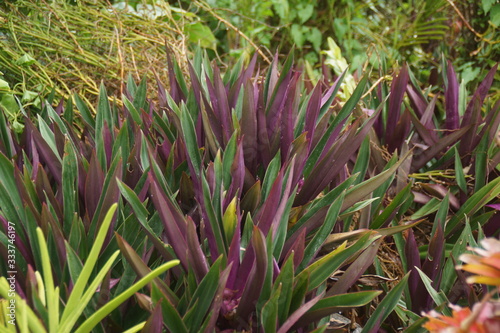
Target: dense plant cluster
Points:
x,y
273,195
251,193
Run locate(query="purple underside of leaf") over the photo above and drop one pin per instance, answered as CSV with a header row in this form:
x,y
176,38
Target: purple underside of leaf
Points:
x,y
245,76
287,118
417,100
263,146
494,206
493,163
415,284
248,125
398,88
245,268
333,138
215,122
175,90
155,322
312,112
327,166
270,215
175,225
218,299
256,278
451,99
44,190
492,121
479,96
57,233
199,130
93,186
400,133
312,223
21,247
467,142
427,135
233,257
223,105
110,197
31,148
420,198
297,247
435,150
273,112
161,92
162,149
472,116
432,264
355,270
333,162
60,107
440,191
108,143
492,227
294,317
321,127
335,86
273,75
195,255
237,174
46,154
299,152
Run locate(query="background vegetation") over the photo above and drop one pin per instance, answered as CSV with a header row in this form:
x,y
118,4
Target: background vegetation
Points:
x,y
160,160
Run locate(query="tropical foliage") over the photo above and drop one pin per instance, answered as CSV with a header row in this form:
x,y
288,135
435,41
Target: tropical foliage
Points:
x,y
264,196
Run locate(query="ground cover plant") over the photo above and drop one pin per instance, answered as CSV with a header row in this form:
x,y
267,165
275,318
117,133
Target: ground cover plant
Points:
x,y
240,214
279,203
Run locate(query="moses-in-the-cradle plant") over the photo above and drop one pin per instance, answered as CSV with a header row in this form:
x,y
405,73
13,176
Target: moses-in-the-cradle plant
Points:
x,y
253,184
454,165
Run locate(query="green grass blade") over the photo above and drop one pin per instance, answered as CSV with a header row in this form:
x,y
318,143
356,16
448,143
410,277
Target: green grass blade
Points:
x,y
23,310
271,173
88,267
135,328
323,232
51,294
385,307
474,203
87,296
189,135
481,168
269,314
84,111
100,314
136,115
69,185
438,298
320,270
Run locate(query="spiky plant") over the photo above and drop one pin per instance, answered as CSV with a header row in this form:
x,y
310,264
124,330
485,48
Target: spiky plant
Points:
x,y
248,181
